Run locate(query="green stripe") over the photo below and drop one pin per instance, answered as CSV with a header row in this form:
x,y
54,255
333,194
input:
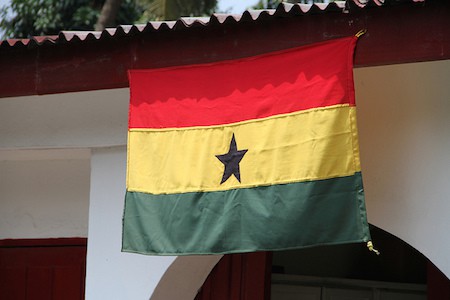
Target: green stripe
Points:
x,y
278,217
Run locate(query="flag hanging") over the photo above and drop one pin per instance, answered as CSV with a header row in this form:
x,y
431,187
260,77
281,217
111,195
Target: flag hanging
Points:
x,y
254,154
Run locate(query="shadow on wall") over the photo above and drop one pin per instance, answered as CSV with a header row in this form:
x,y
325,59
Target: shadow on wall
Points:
x,y
189,273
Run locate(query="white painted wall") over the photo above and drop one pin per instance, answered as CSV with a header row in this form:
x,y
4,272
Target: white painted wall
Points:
x,y
45,171
70,120
44,194
404,125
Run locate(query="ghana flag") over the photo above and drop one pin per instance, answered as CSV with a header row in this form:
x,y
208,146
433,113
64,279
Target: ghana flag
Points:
x,y
259,153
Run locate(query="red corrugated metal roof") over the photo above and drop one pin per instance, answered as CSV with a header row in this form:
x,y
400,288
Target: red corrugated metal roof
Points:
x,y
399,31
283,10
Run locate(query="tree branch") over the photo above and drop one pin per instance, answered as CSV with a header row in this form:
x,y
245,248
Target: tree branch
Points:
x,y
108,14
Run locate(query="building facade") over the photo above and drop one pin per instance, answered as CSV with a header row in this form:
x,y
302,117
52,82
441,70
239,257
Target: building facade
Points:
x,y
63,125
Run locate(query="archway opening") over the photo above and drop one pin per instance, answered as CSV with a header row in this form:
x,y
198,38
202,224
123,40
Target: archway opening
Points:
x,y
352,272
329,273
398,262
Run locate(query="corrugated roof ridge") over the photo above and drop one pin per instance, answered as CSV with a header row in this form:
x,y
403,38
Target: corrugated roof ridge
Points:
x,y
282,9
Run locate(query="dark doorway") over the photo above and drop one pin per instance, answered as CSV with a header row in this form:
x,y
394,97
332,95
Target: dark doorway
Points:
x,y
329,273
350,272
398,262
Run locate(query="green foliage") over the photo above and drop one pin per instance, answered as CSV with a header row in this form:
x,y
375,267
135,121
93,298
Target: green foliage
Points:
x,y
25,18
174,9
270,4
267,4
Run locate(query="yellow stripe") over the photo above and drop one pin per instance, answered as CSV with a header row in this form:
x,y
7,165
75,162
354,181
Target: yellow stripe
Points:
x,y
302,146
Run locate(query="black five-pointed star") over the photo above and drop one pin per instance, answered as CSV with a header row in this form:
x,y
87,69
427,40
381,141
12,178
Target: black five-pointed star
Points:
x,y
231,161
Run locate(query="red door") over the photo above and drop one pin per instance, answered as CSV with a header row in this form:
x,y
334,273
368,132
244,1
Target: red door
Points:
x,y
42,269
239,277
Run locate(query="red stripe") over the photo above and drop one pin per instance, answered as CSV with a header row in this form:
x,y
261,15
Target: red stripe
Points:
x,y
317,75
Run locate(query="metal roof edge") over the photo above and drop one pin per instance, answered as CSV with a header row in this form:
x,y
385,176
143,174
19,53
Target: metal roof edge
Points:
x,y
282,10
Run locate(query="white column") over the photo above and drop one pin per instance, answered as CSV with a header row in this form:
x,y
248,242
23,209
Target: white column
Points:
x,y
112,274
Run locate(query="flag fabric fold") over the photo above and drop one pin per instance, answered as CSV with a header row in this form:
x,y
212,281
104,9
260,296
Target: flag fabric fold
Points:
x,y
254,154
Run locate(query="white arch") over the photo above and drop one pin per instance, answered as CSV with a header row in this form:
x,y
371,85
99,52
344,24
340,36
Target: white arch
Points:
x,y
184,277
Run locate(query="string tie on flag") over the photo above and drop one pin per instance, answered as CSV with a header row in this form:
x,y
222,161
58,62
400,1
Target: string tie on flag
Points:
x,y
371,248
360,33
